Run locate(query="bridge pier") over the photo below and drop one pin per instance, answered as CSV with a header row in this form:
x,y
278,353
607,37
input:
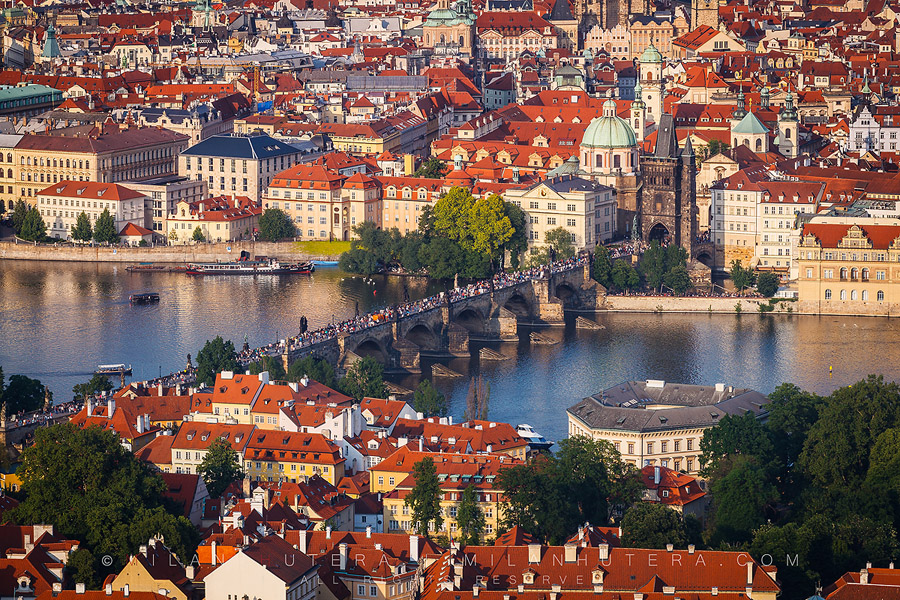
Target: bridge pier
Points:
x,y
408,356
457,340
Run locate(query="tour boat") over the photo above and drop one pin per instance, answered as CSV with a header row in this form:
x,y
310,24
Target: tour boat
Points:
x,y
535,440
147,298
113,369
250,267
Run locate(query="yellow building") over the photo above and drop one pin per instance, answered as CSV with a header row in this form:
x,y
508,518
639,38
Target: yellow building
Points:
x,y
155,568
292,456
848,268
393,476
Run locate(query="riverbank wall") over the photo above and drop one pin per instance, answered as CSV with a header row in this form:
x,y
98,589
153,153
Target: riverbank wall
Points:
x,y
283,251
664,304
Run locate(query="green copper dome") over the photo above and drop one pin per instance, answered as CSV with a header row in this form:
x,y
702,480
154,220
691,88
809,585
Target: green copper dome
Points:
x,y
651,55
609,131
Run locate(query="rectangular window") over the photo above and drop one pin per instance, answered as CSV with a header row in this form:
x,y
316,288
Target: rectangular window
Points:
x,y
631,448
690,444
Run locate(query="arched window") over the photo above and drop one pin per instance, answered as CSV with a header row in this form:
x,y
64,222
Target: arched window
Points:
x,y
442,38
843,294
828,294
67,164
865,295
853,295
759,144
617,161
747,142
854,273
844,273
787,133
865,274
9,173
879,296
9,158
461,42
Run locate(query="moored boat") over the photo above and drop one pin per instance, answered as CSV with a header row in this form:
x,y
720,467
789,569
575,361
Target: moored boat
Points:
x,y
117,369
260,266
535,440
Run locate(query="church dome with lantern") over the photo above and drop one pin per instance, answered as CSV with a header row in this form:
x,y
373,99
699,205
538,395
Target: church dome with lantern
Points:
x,y
609,144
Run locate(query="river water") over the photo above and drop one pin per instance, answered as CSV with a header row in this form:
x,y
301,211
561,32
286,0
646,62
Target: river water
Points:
x,y
58,321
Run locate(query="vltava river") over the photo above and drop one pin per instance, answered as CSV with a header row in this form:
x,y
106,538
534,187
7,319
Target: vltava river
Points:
x,y
58,321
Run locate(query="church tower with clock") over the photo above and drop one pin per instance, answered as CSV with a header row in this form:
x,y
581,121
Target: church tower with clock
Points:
x,y
704,12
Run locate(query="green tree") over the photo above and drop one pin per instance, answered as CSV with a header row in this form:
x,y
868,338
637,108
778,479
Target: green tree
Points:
x,y
602,266
433,168
94,490
80,567
586,480
409,253
359,261
424,500
315,368
428,401
450,216
23,394
83,232
271,364
792,413
33,227
648,525
18,215
365,379
560,241
653,265
518,242
743,497
715,147
678,280
105,229
443,257
216,356
198,236
275,224
490,228
767,284
741,277
220,467
469,517
98,383
624,276
735,435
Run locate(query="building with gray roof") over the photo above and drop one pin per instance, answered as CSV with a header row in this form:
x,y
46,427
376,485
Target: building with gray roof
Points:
x,y
661,423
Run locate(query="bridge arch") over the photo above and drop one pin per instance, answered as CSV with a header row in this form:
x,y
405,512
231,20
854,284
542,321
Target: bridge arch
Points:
x,y
705,257
567,294
519,305
424,337
470,319
373,348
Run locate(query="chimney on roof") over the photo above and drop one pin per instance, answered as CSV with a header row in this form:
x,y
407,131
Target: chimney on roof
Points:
x,y
534,553
571,553
79,588
342,548
604,551
414,548
368,531
90,405
864,575
671,547
110,407
691,548
656,474
328,532
125,591
159,389
108,589
140,424
421,444
213,553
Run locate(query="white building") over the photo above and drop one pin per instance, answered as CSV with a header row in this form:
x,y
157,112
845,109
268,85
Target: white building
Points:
x,y
270,568
875,128
61,203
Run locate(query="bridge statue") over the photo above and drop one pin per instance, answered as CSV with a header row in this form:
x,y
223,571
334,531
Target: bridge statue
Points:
x,y
635,235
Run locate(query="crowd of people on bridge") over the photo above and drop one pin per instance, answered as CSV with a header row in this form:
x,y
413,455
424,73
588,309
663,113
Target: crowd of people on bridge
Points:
x,y
386,315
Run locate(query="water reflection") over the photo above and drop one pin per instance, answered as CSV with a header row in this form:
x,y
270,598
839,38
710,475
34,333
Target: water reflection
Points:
x,y
59,320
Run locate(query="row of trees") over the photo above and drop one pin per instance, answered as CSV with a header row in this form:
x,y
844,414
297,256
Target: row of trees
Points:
x,y
660,267
459,235
819,481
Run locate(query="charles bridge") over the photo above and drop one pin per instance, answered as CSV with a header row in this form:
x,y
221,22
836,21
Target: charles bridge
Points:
x,y
447,328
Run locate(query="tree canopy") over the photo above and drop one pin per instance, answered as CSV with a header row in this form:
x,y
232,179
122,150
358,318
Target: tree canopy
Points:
x,y
424,500
93,489
560,242
741,277
470,517
433,168
275,224
216,356
33,227
21,394
648,525
82,232
602,267
97,383
767,284
365,379
220,467
428,401
315,368
198,236
105,228
585,481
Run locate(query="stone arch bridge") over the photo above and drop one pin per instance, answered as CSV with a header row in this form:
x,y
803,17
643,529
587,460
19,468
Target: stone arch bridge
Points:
x,y
448,328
